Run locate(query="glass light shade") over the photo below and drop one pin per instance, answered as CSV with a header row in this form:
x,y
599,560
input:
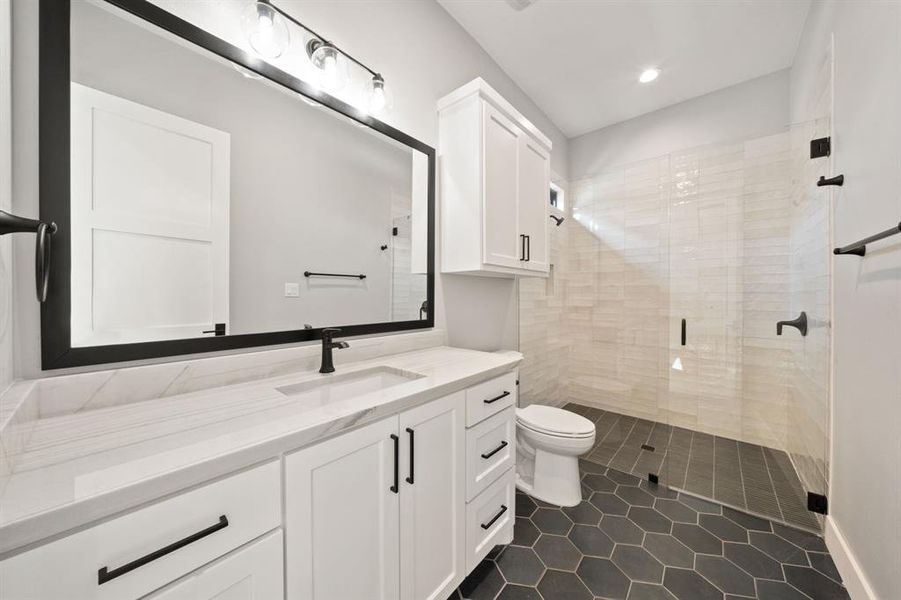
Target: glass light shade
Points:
x,y
331,64
266,30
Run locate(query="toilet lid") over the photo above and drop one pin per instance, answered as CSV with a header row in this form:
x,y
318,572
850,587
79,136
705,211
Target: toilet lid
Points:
x,y
554,421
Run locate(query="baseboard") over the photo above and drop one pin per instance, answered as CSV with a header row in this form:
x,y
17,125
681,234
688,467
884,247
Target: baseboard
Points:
x,y
852,575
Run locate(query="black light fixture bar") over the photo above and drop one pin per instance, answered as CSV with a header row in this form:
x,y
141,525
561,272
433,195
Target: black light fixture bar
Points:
x,y
316,34
859,248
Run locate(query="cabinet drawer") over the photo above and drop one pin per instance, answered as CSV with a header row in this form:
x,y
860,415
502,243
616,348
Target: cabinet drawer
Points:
x,y
490,451
491,397
127,557
489,519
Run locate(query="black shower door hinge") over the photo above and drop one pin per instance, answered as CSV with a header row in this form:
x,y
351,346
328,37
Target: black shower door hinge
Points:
x,y
820,147
817,503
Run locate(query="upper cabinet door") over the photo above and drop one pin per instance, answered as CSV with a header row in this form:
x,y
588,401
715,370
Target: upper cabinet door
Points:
x,y
432,499
501,242
534,187
342,517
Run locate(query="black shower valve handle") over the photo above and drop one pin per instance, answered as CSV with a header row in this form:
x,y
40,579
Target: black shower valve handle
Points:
x,y
44,231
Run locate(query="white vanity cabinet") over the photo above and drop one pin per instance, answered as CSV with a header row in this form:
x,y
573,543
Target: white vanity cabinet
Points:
x,y
495,185
378,513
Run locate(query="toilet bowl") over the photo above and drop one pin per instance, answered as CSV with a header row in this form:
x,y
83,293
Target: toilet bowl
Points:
x,y
549,442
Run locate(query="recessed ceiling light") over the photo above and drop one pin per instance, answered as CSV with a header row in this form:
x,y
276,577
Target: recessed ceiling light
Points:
x,y
648,75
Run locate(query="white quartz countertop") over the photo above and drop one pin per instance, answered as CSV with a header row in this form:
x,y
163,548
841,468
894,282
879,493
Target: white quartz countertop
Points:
x,y
78,468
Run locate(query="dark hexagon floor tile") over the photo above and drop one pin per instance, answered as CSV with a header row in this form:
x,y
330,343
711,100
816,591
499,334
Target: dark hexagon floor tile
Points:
x,y
824,564
552,520
635,496
586,466
621,530
599,483
650,520
747,521
557,552
657,490
776,590
518,592
814,584
649,591
725,575
668,550
603,578
676,511
802,539
723,528
778,548
520,565
702,506
609,504
560,585
688,585
525,506
524,532
591,541
752,560
622,478
483,583
697,538
584,513
637,563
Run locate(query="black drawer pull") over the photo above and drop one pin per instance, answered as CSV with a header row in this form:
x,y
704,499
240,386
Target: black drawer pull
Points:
x,y
396,459
499,514
103,575
495,451
496,398
412,451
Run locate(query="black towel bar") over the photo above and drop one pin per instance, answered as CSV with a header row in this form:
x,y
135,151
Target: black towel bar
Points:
x,y
13,224
312,274
859,248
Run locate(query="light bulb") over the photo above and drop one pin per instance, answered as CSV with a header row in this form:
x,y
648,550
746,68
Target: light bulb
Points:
x,y
266,31
330,63
377,98
330,72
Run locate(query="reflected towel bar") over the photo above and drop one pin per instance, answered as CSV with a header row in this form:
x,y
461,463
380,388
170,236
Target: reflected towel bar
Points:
x,y
859,248
312,274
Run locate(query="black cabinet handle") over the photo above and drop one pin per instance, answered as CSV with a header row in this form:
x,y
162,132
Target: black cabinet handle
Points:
x,y
495,451
412,450
684,332
522,248
528,248
104,575
495,517
396,458
496,398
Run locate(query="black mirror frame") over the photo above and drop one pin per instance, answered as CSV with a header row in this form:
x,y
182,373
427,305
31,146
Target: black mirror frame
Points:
x,y
54,156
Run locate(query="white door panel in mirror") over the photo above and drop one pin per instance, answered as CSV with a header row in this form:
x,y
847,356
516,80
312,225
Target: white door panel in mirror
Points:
x,y
303,189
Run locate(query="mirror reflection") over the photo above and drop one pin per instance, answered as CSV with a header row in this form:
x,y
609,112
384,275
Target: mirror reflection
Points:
x,y
207,201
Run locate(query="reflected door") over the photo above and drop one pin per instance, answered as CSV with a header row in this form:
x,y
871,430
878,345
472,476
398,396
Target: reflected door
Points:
x,y
150,205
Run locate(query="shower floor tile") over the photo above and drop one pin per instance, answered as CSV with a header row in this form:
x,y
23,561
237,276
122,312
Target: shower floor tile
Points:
x,y
745,476
657,544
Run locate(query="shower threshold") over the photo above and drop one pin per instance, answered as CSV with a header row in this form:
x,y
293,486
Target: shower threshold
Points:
x,y
747,477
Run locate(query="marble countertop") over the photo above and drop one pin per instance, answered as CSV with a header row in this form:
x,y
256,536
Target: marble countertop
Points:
x,y
78,468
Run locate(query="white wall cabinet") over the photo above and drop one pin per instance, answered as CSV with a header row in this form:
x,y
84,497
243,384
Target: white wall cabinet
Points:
x,y
495,185
378,513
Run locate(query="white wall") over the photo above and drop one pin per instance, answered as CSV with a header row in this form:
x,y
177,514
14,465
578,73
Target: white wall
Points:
x,y
866,454
6,275
751,109
423,54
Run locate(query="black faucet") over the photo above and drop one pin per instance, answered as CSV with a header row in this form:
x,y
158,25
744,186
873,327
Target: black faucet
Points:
x,y
328,366
800,323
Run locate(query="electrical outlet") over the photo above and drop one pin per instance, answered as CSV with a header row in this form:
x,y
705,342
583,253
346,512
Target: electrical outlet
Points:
x,y
292,290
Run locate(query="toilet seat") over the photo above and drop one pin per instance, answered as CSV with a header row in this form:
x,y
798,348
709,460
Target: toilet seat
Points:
x,y
554,422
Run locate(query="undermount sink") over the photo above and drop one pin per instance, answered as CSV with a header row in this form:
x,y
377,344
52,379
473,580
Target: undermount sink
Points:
x,y
348,385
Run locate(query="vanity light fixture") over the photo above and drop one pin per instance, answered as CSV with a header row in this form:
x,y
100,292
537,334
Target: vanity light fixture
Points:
x,y
264,25
649,75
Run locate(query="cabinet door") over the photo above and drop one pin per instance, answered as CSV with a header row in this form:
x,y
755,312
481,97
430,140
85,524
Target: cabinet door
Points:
x,y
432,501
534,190
251,573
501,242
342,517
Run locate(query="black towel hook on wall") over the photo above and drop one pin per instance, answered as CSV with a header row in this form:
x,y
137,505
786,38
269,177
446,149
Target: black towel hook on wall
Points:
x,y
13,224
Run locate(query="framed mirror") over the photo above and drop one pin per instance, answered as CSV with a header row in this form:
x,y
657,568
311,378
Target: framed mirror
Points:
x,y
207,200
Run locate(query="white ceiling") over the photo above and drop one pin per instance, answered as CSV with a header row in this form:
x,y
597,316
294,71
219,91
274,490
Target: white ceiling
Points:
x,y
579,60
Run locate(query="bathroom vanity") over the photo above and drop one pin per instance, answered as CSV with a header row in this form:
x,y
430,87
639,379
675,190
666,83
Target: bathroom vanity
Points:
x,y
391,478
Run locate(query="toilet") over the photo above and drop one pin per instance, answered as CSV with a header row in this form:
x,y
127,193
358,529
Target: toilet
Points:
x,y
549,442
